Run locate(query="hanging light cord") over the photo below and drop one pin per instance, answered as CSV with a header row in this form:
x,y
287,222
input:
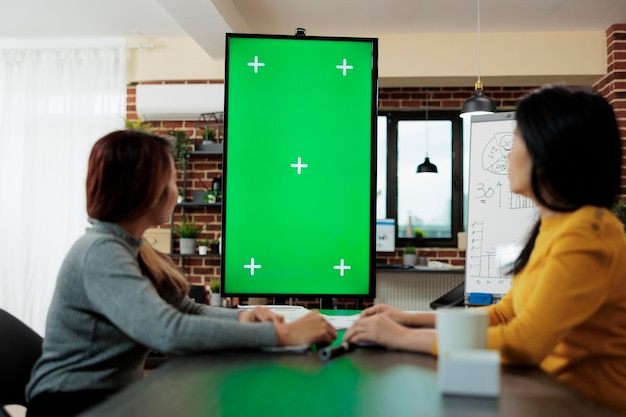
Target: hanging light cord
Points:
x,y
478,38
427,97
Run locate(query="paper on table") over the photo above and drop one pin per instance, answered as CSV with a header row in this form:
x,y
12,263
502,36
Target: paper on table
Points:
x,y
292,313
338,322
341,322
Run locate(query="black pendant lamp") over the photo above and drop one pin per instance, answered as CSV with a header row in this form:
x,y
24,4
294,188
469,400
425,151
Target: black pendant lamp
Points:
x,y
427,166
478,103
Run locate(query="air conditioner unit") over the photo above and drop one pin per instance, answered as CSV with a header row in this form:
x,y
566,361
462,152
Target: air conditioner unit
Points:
x,y
178,101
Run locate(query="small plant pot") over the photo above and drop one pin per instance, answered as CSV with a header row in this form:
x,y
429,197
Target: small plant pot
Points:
x,y
208,146
409,259
187,245
216,299
215,248
202,250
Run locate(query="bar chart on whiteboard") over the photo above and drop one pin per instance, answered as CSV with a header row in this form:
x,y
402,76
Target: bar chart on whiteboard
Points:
x,y
498,220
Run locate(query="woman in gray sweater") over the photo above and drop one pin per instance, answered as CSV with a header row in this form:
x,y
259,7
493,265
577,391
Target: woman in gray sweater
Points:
x,y
117,298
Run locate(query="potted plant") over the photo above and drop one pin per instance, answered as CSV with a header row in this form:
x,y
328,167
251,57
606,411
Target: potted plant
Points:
x,y
209,141
181,147
207,135
216,296
215,246
409,256
418,235
205,195
208,196
203,246
138,124
619,209
188,231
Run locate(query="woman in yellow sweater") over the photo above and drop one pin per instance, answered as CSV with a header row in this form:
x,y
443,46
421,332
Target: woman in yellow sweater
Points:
x,y
566,309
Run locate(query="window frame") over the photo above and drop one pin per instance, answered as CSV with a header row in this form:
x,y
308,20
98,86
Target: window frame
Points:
x,y
457,201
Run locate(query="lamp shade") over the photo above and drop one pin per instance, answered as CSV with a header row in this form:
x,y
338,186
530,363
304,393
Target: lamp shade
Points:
x,y
427,166
478,104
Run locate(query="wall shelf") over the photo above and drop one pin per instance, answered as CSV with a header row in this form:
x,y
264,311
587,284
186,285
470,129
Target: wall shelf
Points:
x,y
191,204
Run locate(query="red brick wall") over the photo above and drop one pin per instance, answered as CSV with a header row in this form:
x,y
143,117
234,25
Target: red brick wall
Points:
x,y
445,98
613,85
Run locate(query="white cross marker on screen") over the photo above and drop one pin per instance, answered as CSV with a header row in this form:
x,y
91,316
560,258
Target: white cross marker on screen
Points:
x,y
299,165
341,267
256,64
343,67
252,266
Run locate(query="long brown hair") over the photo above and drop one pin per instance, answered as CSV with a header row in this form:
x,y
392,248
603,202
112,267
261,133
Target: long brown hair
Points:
x,y
127,176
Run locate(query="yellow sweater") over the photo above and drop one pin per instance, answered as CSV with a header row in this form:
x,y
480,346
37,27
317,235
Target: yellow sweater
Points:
x,y
566,310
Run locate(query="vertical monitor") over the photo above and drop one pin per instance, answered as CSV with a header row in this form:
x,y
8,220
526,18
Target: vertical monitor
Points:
x,y
299,168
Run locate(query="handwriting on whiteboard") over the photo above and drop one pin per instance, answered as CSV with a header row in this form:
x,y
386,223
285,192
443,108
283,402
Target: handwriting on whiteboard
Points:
x,y
498,219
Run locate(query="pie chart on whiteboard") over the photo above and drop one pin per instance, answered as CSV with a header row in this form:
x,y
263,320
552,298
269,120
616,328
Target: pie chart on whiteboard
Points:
x,y
495,154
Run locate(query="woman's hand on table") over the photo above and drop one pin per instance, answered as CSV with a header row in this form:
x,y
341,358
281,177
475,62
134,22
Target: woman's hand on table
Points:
x,y
381,329
259,314
419,319
309,329
394,314
378,329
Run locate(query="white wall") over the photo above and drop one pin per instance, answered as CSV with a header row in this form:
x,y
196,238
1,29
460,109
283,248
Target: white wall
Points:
x,y
421,60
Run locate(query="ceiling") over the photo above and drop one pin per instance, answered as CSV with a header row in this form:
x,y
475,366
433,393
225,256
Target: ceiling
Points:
x,y
206,21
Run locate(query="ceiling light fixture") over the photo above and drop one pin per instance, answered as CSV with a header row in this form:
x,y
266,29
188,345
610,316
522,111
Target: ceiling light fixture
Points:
x,y
478,103
427,166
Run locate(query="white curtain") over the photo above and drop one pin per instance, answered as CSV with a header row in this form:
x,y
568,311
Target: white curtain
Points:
x,y
55,102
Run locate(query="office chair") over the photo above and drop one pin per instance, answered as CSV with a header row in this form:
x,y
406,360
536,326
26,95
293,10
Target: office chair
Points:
x,y
20,347
454,297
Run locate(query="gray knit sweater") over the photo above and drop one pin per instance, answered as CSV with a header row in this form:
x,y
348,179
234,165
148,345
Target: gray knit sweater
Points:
x,y
105,317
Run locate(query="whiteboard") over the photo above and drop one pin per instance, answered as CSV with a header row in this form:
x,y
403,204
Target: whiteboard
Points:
x,y
498,221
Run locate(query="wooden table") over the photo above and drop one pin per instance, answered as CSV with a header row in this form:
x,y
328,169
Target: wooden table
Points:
x,y
368,382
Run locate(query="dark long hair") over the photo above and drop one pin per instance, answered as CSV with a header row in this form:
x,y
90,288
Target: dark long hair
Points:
x,y
127,176
573,141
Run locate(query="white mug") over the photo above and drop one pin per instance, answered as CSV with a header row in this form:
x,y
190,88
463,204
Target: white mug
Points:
x,y
460,328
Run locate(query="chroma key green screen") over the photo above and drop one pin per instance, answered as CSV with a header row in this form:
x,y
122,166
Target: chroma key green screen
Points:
x,y
299,166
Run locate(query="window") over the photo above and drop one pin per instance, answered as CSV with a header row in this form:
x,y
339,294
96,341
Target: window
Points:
x,y
429,201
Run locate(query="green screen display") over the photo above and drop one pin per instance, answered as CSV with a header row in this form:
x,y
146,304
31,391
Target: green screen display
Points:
x,y
299,166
